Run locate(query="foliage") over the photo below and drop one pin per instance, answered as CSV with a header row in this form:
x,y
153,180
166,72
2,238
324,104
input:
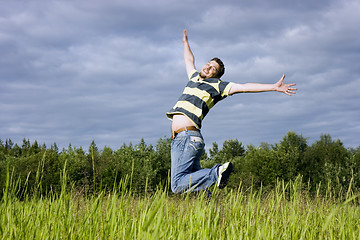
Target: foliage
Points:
x,y
37,168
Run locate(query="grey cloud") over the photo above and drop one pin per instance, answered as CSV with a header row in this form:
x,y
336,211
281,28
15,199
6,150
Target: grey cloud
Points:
x,y
76,71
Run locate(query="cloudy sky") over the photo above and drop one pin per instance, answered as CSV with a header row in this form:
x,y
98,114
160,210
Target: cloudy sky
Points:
x,y
77,71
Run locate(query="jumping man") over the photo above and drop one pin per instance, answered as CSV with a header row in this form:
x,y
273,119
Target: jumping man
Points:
x,y
203,90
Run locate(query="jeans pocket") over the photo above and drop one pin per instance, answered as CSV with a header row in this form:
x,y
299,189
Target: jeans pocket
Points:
x,y
196,142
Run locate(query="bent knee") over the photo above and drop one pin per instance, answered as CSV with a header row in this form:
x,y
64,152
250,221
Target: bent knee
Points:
x,y
175,189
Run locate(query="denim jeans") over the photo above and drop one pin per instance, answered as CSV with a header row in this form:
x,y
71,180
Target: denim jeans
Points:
x,y
186,173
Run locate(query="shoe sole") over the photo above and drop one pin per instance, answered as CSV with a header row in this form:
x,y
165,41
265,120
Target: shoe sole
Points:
x,y
224,176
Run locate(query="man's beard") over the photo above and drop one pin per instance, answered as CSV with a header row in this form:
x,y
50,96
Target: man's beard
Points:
x,y
202,75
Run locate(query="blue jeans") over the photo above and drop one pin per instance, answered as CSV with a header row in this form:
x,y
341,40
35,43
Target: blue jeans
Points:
x,y
186,173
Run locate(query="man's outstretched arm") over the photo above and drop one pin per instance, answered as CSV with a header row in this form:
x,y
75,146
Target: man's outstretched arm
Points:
x,y
279,86
188,55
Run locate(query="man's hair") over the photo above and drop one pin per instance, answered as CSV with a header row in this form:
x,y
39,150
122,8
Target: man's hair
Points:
x,y
221,69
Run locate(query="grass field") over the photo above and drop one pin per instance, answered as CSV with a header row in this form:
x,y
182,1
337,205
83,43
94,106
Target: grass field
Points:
x,y
285,212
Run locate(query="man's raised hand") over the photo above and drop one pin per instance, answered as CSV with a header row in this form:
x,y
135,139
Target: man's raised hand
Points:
x,y
285,88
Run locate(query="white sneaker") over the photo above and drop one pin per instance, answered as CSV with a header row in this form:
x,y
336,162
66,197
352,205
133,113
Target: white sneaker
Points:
x,y
224,172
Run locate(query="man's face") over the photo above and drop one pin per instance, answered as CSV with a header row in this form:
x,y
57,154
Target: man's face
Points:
x,y
209,70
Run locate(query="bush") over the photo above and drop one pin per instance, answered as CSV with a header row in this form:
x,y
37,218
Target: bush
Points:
x,y
325,163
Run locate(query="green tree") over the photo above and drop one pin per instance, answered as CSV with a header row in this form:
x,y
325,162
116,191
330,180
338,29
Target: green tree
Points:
x,y
290,153
214,150
77,167
107,170
266,164
163,160
354,162
326,162
230,149
93,160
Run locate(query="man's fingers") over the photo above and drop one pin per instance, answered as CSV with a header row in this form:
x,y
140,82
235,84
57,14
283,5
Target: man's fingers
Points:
x,y
292,89
185,36
282,78
289,92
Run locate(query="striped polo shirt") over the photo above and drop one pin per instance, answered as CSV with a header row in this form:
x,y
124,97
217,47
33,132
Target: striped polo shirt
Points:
x,y
199,97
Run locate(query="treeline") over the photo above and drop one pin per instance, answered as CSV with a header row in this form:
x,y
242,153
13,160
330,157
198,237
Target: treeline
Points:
x,y
38,168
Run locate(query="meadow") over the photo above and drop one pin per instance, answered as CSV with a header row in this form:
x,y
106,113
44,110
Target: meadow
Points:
x,y
286,211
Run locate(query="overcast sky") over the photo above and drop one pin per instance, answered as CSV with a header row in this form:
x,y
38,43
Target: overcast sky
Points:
x,y
77,71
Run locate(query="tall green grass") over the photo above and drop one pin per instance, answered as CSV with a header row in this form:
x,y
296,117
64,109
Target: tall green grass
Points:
x,y
285,212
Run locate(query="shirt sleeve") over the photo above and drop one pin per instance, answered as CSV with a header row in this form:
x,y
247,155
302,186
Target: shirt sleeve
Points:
x,y
193,74
227,87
